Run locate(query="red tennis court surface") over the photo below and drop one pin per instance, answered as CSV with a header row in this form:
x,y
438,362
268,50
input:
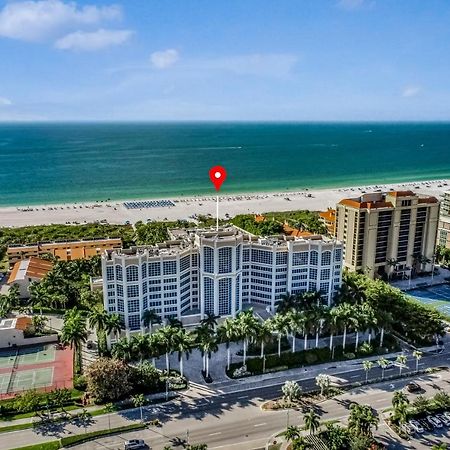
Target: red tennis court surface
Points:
x,y
43,367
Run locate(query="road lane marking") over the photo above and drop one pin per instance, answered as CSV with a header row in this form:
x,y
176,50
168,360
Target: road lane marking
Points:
x,y
243,396
355,376
215,434
260,424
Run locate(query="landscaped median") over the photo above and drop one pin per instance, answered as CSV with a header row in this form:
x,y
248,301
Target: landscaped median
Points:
x,y
77,439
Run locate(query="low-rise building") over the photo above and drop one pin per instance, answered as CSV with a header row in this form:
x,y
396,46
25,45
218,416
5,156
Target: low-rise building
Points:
x,y
26,272
63,250
201,271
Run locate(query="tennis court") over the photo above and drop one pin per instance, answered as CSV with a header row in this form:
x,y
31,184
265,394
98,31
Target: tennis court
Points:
x,y
31,379
436,296
4,382
27,356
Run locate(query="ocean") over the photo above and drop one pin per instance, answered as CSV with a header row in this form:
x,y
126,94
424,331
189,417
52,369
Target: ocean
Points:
x,y
46,163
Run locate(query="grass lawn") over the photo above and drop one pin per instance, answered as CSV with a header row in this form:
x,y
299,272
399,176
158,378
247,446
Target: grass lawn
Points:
x,y
52,445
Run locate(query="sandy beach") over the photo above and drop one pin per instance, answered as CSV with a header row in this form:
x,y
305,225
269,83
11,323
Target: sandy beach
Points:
x,y
115,212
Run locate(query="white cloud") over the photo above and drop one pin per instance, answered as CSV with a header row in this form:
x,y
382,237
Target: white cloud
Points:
x,y
93,40
165,58
350,4
44,19
410,91
5,101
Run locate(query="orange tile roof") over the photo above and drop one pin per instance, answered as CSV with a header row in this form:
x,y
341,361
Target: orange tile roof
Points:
x,y
401,193
22,323
31,268
355,203
290,231
329,215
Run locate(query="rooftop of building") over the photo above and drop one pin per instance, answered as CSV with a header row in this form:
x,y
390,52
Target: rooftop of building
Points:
x,y
379,200
65,242
30,268
19,323
184,239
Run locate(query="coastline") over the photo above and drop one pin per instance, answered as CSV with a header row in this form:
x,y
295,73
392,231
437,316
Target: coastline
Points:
x,y
115,212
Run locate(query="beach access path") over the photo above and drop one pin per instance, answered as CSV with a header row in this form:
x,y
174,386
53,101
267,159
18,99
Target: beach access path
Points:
x,y
115,212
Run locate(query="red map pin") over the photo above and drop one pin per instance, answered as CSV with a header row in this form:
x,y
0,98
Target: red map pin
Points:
x,y
217,175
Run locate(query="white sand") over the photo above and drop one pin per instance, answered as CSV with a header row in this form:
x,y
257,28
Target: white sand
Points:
x,y
116,213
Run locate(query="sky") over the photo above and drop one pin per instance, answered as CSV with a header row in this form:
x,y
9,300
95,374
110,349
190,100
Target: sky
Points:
x,y
243,60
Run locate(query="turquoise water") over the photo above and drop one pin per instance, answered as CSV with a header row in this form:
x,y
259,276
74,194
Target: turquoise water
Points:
x,y
49,163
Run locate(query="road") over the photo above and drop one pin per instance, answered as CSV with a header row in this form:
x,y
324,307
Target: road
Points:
x,y
229,420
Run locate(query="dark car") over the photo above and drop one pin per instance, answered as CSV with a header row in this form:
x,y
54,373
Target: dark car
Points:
x,y
413,387
426,425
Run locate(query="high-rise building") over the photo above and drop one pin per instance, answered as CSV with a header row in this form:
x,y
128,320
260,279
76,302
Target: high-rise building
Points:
x,y
383,233
200,271
444,221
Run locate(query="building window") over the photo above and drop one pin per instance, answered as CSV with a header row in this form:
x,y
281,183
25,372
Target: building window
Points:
x,y
133,290
120,305
326,258
119,274
300,258
169,267
132,274
208,284
314,258
184,263
246,255
144,270
110,273
133,305
313,274
338,255
134,322
281,258
225,260
154,269
119,290
325,274
262,256
225,296
208,257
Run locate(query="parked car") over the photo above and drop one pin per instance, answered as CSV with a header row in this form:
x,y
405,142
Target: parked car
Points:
x,y
413,387
134,444
434,421
445,420
416,426
446,414
406,429
426,424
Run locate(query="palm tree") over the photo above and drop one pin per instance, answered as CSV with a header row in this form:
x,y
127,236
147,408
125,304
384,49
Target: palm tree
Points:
x,y
114,325
399,398
312,421
174,322
392,263
263,336
165,336
109,408
123,349
280,324
334,325
150,318
318,314
74,331
418,355
287,303
210,320
362,419
182,343
247,325
385,320
383,363
98,318
347,317
228,333
401,360
208,346
203,333
367,365
296,324
371,321
140,346
292,432
139,401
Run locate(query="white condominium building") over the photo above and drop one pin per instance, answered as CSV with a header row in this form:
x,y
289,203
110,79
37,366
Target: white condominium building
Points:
x,y
444,221
202,271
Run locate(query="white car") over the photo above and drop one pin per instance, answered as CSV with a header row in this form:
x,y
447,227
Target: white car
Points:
x,y
416,426
445,420
434,421
134,444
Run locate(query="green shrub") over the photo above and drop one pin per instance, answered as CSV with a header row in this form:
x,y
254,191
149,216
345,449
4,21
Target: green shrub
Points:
x,y
311,358
52,445
80,383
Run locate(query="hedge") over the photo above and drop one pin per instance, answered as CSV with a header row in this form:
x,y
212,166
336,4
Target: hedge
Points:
x,y
52,445
80,438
